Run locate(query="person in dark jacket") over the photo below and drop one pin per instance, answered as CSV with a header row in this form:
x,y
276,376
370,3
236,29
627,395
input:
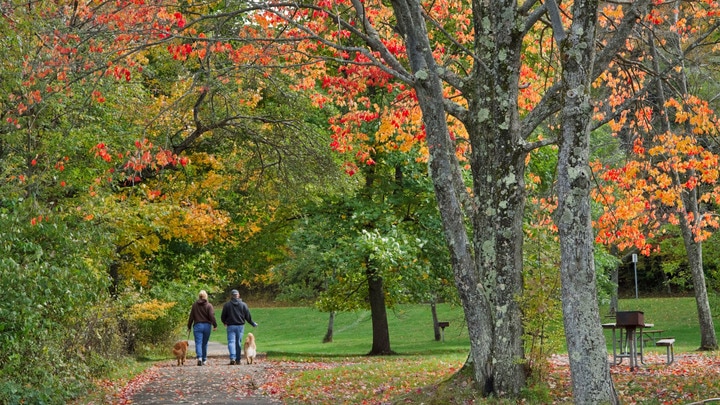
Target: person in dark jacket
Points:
x,y
202,318
235,314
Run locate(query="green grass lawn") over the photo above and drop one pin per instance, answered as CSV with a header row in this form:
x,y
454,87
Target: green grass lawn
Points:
x,y
339,373
300,330
296,330
677,317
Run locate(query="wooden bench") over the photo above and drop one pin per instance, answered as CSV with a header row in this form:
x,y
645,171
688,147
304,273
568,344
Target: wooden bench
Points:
x,y
668,344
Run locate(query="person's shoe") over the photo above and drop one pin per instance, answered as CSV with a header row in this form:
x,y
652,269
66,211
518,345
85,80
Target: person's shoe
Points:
x,y
204,362
232,362
200,363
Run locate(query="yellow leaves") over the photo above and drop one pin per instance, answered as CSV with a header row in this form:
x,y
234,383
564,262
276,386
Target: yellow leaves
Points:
x,y
681,117
253,228
385,131
695,112
196,223
613,13
663,181
205,160
701,124
676,147
132,274
150,310
214,182
250,99
668,198
710,175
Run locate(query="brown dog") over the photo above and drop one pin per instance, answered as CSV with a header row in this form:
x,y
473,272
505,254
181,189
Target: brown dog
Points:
x,y
180,351
250,349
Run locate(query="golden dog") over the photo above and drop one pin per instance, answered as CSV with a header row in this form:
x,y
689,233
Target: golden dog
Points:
x,y
250,349
180,351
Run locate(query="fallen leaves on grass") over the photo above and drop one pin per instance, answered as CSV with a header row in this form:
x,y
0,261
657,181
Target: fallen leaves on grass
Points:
x,y
692,377
136,384
367,380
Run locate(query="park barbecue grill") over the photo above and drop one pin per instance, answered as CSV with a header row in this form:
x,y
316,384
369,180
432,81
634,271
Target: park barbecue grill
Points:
x,y
630,319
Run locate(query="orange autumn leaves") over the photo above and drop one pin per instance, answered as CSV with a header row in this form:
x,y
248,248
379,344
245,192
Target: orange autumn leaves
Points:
x,y
81,42
145,156
652,187
635,198
692,377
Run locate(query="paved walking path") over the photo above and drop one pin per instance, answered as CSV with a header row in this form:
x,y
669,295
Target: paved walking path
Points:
x,y
217,383
215,349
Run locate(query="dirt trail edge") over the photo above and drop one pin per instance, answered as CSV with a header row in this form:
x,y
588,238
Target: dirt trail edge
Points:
x,y
216,383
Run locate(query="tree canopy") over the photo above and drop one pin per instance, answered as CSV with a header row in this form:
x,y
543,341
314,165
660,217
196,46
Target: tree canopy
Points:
x,y
205,144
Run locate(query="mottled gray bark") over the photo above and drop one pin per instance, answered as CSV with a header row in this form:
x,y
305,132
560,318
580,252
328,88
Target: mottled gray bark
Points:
x,y
708,339
488,267
489,281
583,332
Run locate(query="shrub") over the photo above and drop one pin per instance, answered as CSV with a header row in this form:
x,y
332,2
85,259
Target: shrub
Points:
x,y
50,309
158,316
151,319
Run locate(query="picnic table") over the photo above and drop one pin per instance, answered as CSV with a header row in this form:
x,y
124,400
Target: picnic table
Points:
x,y
625,342
628,329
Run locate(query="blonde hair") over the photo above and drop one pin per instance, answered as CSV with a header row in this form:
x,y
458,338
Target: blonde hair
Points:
x,y
203,295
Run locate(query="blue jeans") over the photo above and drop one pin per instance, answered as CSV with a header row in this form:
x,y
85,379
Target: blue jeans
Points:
x,y
235,337
201,331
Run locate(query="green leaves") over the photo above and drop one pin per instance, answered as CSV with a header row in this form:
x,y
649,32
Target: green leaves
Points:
x,y
51,289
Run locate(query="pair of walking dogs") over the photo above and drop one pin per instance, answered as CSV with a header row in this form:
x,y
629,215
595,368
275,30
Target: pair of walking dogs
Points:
x,y
249,350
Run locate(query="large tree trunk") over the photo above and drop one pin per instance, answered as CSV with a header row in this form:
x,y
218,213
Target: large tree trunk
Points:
x,y
488,284
378,314
708,340
498,243
586,345
488,270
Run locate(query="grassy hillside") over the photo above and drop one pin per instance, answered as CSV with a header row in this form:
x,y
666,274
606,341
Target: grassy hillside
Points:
x,y
338,373
677,317
301,330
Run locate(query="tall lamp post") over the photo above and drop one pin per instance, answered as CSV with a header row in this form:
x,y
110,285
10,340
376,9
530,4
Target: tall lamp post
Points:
x,y
634,260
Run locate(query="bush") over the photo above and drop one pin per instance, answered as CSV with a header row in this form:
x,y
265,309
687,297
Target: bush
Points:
x,y
540,302
51,311
158,317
